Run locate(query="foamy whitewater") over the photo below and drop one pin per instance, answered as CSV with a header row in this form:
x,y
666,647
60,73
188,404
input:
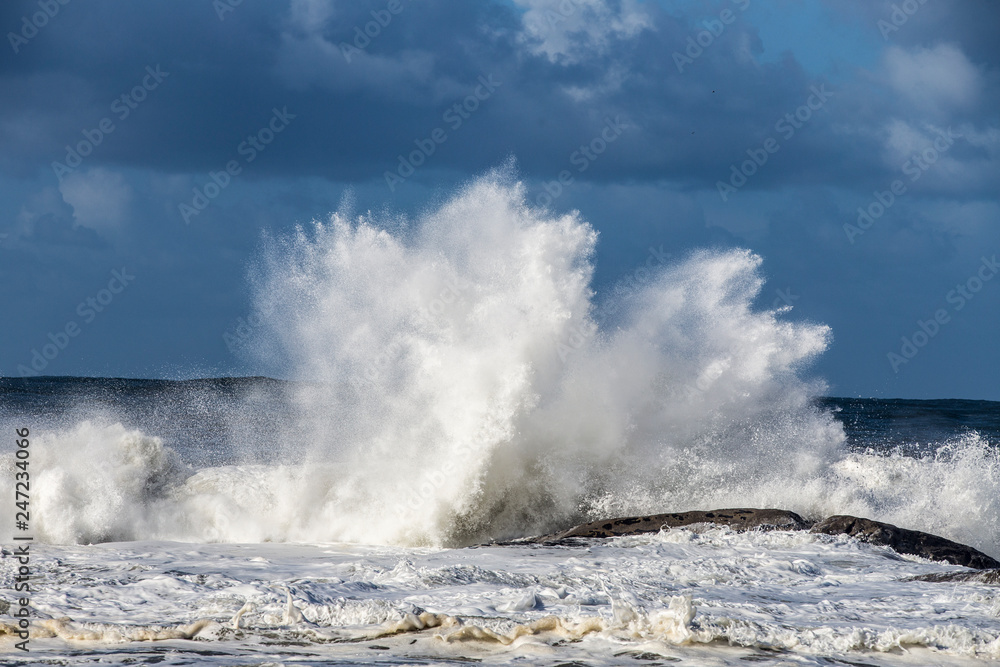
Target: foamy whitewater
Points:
x,y
458,382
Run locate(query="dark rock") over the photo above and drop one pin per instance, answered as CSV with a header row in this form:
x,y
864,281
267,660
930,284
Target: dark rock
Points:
x,y
981,577
906,541
737,519
902,540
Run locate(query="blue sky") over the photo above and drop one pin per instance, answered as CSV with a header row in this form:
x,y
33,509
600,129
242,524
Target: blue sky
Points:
x,y
161,95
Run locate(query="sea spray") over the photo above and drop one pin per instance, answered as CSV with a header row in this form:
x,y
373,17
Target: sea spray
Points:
x,y
434,353
432,405
99,483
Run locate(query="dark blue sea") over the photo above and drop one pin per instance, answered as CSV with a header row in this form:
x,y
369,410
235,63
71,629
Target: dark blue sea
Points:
x,y
219,419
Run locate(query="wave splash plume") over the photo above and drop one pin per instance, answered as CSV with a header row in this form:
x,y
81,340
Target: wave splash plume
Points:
x,y
452,384
454,387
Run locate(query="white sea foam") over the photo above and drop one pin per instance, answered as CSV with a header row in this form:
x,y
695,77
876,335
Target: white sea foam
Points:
x,y
705,595
455,387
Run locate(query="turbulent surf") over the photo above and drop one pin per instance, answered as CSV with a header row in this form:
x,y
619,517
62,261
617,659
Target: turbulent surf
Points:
x,y
457,379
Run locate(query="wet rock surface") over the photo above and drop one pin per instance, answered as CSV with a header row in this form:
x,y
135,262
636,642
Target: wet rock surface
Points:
x,y
905,541
737,519
901,540
982,577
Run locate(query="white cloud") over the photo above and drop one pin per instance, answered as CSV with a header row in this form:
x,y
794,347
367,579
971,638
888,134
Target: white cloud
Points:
x,y
46,201
903,140
99,198
310,15
987,139
937,79
564,30
932,150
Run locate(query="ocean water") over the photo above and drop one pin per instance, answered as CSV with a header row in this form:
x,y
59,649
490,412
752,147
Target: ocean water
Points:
x,y
455,382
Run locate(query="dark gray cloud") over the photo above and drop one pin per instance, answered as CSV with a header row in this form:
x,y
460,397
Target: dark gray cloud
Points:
x,y
560,77
354,118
